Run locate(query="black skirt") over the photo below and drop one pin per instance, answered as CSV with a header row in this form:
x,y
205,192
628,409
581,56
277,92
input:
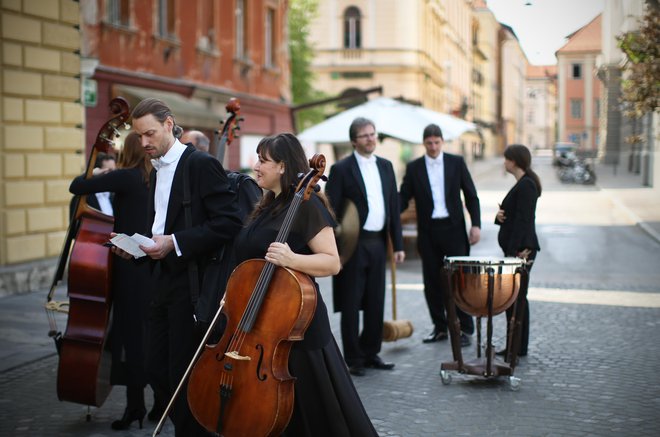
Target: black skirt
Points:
x,y
326,402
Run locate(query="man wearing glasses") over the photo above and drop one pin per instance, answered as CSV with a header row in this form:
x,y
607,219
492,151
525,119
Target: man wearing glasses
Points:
x,y
369,183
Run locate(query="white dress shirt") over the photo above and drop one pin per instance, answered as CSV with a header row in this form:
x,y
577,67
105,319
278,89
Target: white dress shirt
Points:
x,y
436,170
104,202
371,177
165,168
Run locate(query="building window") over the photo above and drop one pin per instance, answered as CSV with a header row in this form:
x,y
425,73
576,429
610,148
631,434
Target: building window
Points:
x,y
119,12
352,35
166,18
576,108
270,38
576,71
241,29
207,25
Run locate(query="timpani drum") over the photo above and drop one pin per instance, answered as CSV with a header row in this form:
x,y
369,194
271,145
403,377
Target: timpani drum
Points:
x,y
469,282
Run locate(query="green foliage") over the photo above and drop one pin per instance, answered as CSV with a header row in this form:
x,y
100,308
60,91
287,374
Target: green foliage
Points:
x,y
301,13
641,86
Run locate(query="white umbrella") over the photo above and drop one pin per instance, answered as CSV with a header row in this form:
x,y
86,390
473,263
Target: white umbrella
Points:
x,y
393,118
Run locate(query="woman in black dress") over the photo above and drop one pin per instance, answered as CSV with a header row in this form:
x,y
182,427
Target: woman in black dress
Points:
x,y
325,401
516,218
130,281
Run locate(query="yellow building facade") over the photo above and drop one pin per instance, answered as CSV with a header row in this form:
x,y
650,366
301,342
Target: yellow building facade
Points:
x,y
41,131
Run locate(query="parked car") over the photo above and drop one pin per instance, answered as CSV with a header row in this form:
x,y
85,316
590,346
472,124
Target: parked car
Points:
x,y
563,152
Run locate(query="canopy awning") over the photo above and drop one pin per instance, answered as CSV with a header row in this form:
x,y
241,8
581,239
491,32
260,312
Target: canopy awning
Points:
x,y
188,112
392,118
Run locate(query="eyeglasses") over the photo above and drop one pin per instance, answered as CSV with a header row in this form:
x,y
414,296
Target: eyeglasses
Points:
x,y
369,135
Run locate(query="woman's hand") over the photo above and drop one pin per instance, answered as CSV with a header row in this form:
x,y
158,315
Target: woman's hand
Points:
x,y
280,254
500,217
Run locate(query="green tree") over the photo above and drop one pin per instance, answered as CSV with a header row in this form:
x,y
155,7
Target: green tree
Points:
x,y
300,14
641,84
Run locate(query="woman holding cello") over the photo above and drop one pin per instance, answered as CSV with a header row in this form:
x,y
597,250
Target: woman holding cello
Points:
x,y
325,400
130,281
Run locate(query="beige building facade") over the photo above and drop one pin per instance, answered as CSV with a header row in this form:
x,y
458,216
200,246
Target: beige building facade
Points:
x,y
41,134
417,50
513,68
541,106
485,76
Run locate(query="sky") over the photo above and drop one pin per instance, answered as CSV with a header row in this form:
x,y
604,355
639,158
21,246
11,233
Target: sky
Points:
x,y
543,26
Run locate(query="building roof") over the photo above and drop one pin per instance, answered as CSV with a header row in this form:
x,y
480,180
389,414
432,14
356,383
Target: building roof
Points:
x,y
541,71
585,39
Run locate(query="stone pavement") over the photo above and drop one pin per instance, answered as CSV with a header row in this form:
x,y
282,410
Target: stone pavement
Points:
x,y
590,369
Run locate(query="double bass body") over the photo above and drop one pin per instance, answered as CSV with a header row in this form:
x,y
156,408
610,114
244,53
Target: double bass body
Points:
x,y
242,386
84,368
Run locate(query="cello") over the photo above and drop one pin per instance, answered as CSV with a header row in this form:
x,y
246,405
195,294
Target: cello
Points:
x,y
242,386
83,374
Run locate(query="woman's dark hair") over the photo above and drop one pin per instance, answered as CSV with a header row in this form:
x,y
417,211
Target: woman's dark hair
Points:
x,y
132,156
284,148
521,156
159,110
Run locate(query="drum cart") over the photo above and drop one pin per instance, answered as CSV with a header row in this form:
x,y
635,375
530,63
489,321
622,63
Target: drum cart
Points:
x,y
472,285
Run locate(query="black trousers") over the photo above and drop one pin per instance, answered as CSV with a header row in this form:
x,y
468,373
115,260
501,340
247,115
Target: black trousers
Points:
x,y
442,239
364,289
171,345
524,334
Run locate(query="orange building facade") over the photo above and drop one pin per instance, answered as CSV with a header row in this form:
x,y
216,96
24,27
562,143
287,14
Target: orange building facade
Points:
x,y
580,92
195,55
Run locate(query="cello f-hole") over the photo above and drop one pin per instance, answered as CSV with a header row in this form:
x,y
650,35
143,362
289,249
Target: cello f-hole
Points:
x,y
263,376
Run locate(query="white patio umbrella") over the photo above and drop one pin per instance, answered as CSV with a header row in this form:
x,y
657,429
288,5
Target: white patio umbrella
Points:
x,y
393,118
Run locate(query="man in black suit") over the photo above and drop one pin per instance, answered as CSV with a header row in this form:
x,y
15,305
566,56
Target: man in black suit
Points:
x,y
435,182
369,182
172,337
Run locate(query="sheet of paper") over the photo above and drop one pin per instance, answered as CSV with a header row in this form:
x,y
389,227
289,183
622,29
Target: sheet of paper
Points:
x,y
132,244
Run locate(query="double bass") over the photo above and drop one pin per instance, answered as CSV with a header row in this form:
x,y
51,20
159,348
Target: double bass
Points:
x,y
242,385
83,374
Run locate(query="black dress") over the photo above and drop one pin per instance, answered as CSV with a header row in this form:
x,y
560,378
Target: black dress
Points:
x,y
130,281
325,401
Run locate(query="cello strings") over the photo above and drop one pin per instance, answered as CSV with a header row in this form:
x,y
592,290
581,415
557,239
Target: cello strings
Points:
x,y
261,287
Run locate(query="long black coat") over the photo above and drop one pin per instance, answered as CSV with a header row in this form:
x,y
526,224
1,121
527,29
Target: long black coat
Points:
x,y
457,178
518,231
130,281
345,182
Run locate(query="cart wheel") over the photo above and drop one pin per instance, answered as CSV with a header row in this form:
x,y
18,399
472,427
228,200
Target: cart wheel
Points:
x,y
445,377
514,383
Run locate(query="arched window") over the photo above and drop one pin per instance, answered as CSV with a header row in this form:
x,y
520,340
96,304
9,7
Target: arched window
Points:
x,y
352,34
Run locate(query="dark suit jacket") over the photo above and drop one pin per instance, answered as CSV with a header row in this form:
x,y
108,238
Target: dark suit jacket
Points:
x,y
518,231
457,178
345,182
215,218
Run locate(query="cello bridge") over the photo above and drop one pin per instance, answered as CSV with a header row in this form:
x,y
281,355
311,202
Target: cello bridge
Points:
x,y
236,356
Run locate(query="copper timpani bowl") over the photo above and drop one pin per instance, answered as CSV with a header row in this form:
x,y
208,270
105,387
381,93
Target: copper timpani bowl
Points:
x,y
469,282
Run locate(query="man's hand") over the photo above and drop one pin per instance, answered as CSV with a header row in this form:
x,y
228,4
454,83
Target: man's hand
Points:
x,y
117,251
475,235
399,256
164,245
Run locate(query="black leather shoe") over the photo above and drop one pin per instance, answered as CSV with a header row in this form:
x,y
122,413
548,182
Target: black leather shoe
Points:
x,y
465,340
357,370
501,353
377,363
435,336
